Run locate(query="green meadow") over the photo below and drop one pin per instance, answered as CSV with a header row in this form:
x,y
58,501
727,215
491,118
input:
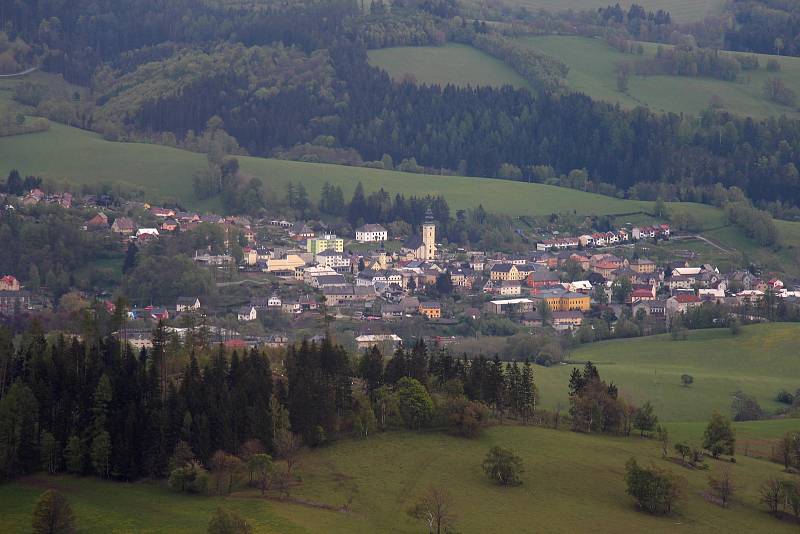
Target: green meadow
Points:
x,y
591,71
572,483
455,64
680,10
760,361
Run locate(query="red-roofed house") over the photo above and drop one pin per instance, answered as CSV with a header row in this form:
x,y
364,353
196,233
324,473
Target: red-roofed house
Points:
x,y
9,283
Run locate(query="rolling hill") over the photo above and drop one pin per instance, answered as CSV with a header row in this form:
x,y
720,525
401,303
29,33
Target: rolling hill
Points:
x,y
591,70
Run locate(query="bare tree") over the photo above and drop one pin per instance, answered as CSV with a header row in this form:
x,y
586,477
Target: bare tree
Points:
x,y
287,446
723,484
435,509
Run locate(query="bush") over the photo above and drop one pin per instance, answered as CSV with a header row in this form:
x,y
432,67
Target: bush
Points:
x,y
503,467
655,490
468,418
53,514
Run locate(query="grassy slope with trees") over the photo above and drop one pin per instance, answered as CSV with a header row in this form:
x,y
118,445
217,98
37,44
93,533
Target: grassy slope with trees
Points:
x,y
760,361
592,64
568,479
452,63
591,70
681,10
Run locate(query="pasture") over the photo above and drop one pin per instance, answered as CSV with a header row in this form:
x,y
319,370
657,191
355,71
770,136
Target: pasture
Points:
x,y
591,71
680,10
455,64
760,361
571,481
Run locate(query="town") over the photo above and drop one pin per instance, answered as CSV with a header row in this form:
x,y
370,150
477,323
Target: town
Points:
x,y
289,279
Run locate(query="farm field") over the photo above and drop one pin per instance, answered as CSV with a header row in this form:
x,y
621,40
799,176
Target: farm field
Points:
x,y
591,70
760,361
568,478
455,64
680,10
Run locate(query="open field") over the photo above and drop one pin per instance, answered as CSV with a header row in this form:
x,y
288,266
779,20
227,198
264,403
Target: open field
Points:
x,y
680,10
760,361
569,478
591,70
164,173
455,64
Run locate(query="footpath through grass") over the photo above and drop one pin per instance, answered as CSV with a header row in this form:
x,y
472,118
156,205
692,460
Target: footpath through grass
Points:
x,y
760,361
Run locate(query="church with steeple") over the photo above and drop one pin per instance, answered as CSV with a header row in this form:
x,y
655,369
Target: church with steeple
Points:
x,y
422,247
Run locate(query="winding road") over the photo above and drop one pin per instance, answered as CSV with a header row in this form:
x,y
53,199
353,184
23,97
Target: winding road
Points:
x,y
23,73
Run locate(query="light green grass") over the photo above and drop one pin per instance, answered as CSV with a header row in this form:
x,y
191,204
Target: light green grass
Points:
x,y
592,62
85,157
572,483
680,10
762,360
455,64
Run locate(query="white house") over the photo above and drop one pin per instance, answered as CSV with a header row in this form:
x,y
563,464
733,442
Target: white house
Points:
x,y
187,303
370,233
247,313
274,302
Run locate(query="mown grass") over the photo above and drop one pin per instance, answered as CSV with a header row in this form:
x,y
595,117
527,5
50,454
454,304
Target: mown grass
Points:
x,y
454,64
592,63
760,361
572,483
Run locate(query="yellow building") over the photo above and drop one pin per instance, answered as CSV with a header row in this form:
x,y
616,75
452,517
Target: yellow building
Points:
x,y
431,310
290,263
643,266
564,301
315,245
502,272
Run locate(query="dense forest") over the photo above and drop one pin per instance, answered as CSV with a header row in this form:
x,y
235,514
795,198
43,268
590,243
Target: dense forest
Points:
x,y
97,407
286,78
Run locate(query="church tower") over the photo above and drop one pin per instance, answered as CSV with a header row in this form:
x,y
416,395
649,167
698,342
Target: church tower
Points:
x,y
429,235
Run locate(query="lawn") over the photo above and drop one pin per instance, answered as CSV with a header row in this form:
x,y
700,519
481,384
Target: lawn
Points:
x,y
572,483
455,64
760,361
591,70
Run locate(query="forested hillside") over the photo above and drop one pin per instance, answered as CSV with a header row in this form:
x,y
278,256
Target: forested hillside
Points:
x,y
293,80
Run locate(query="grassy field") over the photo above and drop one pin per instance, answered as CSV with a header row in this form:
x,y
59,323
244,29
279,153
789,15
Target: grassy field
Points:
x,y
680,10
572,483
592,61
455,64
163,173
760,361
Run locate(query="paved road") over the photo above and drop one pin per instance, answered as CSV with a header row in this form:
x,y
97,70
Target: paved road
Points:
x,y
23,73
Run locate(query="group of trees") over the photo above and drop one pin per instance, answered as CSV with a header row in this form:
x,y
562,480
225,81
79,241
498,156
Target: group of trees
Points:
x,y
94,407
595,406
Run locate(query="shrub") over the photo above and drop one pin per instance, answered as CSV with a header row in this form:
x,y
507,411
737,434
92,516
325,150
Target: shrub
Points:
x,y
655,490
503,467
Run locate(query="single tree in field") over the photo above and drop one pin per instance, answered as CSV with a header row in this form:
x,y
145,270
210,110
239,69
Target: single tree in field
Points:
x,y
719,437
503,467
645,420
227,522
287,446
261,466
723,484
655,490
225,467
684,450
435,509
663,438
687,380
53,514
